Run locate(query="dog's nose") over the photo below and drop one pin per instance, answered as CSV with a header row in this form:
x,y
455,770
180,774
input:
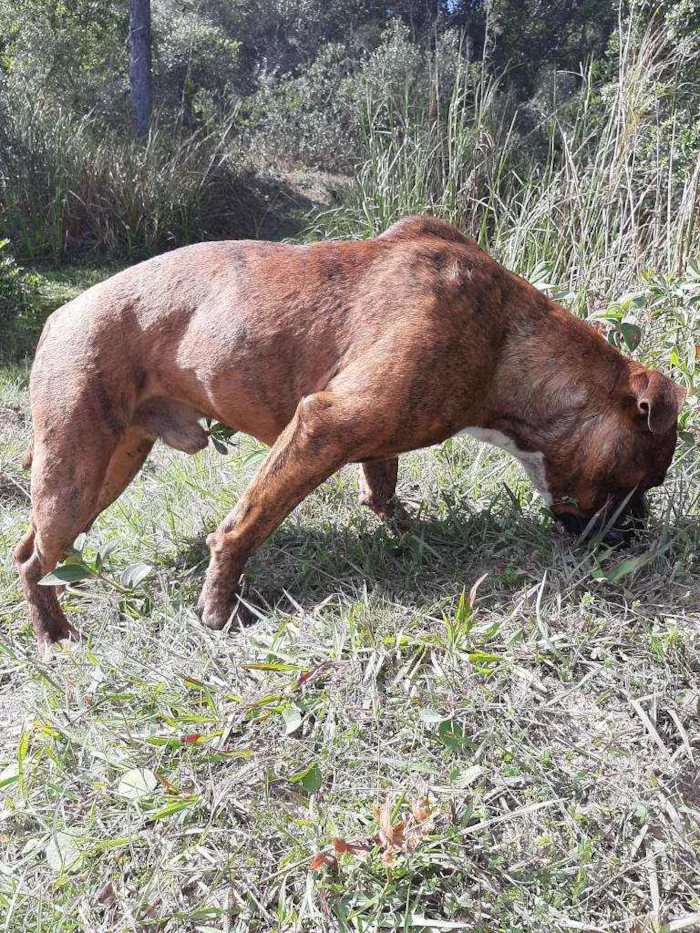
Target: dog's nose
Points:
x,y
628,524
616,538
574,524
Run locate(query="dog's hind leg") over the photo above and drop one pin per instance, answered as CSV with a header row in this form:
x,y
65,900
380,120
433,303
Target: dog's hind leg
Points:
x,y
378,491
66,484
124,464
35,558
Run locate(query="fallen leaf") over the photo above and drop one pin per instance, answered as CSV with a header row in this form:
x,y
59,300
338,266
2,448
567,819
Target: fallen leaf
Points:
x,y
137,784
359,849
292,719
430,716
421,810
405,834
393,835
421,824
389,836
63,851
164,782
323,858
107,895
305,676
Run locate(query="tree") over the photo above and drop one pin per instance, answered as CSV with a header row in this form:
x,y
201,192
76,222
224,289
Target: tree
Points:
x,y
140,63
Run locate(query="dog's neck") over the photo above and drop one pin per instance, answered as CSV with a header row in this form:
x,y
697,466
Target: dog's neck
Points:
x,y
552,377
545,387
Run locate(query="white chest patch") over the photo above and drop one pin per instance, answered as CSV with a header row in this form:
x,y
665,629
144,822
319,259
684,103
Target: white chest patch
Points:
x,y
532,462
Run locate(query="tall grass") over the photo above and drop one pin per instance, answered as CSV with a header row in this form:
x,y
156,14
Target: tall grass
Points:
x,y
615,192
66,186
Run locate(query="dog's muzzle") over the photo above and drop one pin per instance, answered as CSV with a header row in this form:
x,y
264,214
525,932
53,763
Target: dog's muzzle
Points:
x,y
616,529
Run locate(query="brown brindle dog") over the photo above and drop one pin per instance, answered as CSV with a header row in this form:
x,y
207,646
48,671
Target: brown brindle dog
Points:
x,y
332,353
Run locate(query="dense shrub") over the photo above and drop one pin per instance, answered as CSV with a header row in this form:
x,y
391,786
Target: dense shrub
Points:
x,y
321,117
310,118
68,186
17,289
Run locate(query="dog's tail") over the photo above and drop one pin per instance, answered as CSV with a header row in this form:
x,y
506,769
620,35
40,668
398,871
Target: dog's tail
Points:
x,y
28,456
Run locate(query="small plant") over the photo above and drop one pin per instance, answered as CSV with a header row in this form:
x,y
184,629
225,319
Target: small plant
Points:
x,y
77,567
623,332
661,318
220,436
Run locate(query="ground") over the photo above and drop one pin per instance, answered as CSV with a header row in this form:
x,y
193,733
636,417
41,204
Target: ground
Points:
x,y
483,725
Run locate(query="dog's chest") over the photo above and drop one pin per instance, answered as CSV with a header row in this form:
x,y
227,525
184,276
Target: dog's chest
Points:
x,y
532,462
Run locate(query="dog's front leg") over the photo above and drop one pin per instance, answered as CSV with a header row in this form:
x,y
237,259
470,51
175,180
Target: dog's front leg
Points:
x,y
378,491
326,432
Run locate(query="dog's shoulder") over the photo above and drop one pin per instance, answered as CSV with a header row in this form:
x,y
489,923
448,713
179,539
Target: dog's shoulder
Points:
x,y
418,226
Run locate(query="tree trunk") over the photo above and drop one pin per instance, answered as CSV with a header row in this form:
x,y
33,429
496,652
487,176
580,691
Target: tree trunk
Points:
x,y
140,63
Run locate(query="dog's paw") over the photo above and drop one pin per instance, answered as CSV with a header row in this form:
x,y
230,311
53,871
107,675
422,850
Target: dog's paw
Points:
x,y
215,613
397,518
47,643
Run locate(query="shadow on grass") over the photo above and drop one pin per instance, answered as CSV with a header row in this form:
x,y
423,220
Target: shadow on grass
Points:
x,y
436,560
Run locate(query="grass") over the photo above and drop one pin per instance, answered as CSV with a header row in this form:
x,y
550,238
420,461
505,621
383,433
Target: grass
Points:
x,y
543,728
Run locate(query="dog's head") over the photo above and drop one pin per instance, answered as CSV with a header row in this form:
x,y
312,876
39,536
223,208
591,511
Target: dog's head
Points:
x,y
613,452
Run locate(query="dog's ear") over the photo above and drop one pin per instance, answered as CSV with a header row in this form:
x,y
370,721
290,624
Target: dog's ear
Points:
x,y
658,399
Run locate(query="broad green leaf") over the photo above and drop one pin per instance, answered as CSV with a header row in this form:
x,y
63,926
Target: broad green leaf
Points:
x,y
310,778
137,784
135,573
73,558
631,334
220,432
68,573
451,734
218,445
